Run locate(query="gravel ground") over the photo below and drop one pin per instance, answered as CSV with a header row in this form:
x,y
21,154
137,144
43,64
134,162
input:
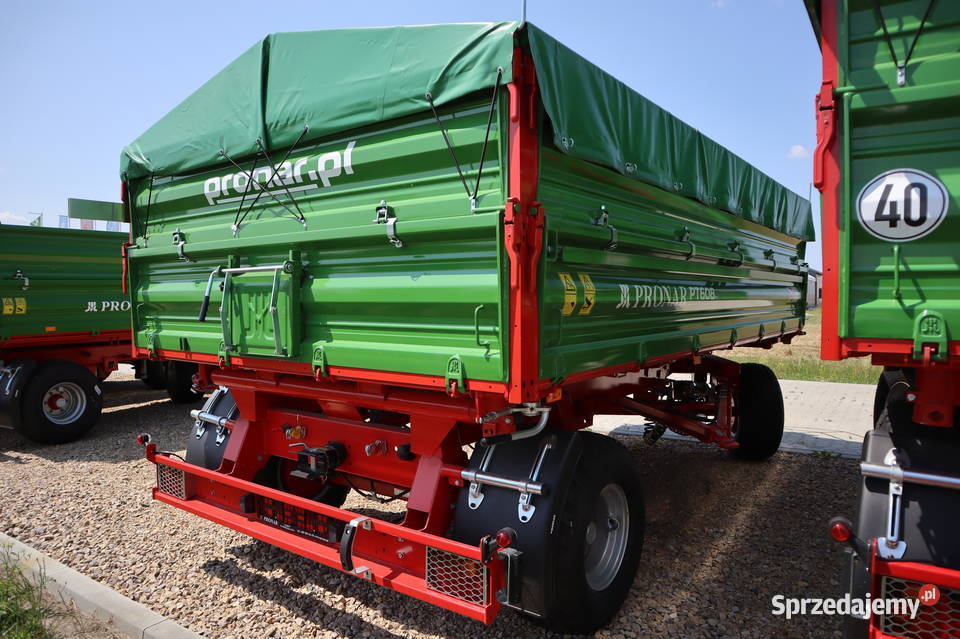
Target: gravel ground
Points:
x,y
722,538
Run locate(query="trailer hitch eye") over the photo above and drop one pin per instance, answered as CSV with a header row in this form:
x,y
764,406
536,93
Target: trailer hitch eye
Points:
x,y
143,439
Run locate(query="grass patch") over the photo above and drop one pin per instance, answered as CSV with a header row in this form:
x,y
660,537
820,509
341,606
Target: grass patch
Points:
x,y
23,609
801,359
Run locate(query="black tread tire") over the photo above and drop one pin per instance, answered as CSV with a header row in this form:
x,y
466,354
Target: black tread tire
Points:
x,y
891,396
179,380
573,607
35,426
154,374
759,413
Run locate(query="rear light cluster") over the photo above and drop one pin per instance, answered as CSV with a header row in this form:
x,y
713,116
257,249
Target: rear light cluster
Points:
x,y
299,520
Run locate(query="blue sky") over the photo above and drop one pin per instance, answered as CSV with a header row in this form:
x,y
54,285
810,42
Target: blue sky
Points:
x,y
82,79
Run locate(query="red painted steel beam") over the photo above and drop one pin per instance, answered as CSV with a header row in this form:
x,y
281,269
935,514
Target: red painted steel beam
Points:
x,y
827,180
523,232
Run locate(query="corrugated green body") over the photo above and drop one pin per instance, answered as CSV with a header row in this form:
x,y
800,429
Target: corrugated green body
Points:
x,y
365,302
886,127
74,282
681,276
349,297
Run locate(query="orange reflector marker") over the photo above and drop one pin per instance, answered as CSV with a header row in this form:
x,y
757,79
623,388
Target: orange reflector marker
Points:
x,y
50,329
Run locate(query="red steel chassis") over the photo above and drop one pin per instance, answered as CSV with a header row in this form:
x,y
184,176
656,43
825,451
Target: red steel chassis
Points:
x,y
99,353
278,403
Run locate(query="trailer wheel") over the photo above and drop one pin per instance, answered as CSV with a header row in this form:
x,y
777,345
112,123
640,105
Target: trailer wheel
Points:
x,y
581,546
891,394
60,403
759,407
154,374
603,512
179,379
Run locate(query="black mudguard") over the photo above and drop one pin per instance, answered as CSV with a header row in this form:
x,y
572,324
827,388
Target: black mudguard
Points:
x,y
931,528
204,450
13,380
499,507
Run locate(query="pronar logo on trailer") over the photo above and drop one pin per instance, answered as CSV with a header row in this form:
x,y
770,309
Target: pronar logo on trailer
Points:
x,y
292,175
902,205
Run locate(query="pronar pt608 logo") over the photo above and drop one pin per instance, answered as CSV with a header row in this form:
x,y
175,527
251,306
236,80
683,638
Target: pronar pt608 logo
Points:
x,y
301,174
902,205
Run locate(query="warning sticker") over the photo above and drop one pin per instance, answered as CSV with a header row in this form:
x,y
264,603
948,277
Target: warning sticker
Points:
x,y
569,293
19,305
589,294
8,306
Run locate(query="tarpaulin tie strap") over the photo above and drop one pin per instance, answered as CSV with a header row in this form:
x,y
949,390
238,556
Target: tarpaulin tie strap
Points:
x,y
901,68
483,149
238,218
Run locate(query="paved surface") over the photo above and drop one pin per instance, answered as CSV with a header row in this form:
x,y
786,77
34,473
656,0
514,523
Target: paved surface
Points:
x,y
820,417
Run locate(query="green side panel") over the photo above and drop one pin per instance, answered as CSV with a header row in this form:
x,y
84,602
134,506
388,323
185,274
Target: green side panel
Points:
x,y
72,282
681,276
888,280
597,118
349,296
329,81
96,210
319,83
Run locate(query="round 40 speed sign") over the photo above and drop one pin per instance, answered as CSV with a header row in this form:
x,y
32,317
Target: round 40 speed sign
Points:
x,y
902,205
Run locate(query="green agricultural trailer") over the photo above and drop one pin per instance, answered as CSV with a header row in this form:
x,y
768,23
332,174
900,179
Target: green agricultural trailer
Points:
x,y
459,238
64,326
888,167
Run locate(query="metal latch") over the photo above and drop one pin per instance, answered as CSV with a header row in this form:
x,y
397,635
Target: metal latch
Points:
x,y
930,328
385,215
179,239
346,546
525,508
684,236
603,221
891,546
26,280
475,493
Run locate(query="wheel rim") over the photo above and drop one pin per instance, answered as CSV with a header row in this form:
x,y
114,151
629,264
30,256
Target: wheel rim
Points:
x,y
606,537
64,403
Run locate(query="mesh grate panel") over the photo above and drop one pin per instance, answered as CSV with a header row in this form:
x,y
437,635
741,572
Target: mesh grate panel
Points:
x,y
457,576
171,481
938,621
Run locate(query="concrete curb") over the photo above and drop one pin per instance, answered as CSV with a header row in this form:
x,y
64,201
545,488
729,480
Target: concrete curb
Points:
x,y
123,614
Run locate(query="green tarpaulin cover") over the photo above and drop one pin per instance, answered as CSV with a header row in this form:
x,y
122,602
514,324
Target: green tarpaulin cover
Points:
x,y
333,81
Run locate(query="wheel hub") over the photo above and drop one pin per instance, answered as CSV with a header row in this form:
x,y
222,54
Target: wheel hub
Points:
x,y
64,403
606,537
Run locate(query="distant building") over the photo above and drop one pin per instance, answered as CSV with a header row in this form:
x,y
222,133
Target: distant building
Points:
x,y
814,288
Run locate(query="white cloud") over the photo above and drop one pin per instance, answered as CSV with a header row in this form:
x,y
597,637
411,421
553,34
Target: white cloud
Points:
x,y
6,217
718,4
798,152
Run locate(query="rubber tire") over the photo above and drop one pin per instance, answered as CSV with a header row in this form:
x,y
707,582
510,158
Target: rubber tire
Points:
x,y
33,423
330,494
891,395
759,413
180,383
573,607
154,374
